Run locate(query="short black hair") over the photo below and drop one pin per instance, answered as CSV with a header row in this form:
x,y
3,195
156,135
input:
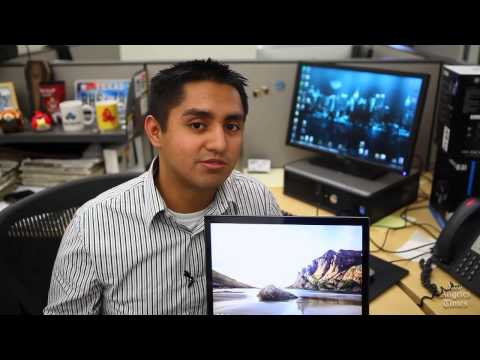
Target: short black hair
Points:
x,y
166,88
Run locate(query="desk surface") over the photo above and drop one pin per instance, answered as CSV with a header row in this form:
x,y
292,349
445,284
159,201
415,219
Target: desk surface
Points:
x,y
467,304
404,297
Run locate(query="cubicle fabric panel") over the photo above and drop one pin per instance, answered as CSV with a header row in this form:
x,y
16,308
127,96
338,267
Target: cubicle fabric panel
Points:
x,y
68,72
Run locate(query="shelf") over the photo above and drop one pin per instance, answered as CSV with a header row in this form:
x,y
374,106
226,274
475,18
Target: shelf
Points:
x,y
57,135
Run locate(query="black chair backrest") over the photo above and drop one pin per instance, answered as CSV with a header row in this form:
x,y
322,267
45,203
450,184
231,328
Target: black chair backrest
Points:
x,y
30,234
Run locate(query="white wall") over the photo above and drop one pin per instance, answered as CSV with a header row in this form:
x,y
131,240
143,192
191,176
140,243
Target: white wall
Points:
x,y
451,51
303,52
383,52
186,52
474,54
22,49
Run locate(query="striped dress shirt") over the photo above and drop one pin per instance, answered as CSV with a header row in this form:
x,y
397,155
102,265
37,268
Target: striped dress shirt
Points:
x,y
122,253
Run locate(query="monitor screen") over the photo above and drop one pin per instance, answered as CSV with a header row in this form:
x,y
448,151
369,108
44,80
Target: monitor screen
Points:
x,y
367,115
261,266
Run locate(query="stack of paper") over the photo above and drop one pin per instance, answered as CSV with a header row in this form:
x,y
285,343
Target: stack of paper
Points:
x,y
8,177
51,172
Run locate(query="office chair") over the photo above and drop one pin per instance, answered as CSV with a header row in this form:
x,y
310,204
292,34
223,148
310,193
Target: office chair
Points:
x,y
30,234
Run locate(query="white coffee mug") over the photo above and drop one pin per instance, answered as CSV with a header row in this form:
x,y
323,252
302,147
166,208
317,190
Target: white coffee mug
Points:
x,y
76,115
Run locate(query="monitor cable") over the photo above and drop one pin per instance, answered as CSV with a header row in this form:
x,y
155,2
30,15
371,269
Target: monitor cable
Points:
x,y
408,224
412,258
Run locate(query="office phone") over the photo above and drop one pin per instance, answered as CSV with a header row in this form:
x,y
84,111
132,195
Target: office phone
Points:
x,y
457,250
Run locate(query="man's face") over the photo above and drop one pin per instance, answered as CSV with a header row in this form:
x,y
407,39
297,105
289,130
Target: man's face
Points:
x,y
204,135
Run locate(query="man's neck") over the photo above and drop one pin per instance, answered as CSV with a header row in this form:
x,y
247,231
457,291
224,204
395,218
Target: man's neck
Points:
x,y
180,198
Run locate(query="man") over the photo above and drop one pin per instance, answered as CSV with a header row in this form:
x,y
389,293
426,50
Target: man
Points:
x,y
139,247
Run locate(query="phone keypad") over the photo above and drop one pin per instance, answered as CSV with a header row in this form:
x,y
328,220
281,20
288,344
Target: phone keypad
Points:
x,y
469,266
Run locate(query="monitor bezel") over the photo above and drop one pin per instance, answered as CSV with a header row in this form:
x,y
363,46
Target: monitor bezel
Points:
x,y
364,222
407,167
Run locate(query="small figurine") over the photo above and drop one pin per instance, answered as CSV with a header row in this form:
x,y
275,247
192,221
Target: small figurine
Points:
x,y
11,120
41,121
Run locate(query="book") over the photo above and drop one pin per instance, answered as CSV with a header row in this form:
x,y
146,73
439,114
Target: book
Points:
x,y
59,166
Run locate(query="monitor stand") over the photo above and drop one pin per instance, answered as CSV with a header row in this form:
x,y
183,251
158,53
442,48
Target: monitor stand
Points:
x,y
349,167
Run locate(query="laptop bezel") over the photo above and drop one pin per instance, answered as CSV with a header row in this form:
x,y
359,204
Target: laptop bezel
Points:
x,y
296,220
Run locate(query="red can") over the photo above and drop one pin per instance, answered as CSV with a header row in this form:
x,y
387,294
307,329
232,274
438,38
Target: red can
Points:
x,y
52,94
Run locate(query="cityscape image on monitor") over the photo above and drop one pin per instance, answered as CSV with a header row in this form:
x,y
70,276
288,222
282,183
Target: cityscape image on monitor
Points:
x,y
363,114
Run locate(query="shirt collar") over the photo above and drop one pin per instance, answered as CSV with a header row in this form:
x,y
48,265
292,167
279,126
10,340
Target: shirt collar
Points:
x,y
155,204
225,198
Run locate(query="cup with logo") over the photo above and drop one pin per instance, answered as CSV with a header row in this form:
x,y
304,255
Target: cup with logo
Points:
x,y
76,115
107,115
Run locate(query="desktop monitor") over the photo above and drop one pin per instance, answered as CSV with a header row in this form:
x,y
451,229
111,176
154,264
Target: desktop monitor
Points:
x,y
286,265
357,118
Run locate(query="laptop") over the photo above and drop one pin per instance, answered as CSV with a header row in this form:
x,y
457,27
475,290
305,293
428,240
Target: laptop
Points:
x,y
287,265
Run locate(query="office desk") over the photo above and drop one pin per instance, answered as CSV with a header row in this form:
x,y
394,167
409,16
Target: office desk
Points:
x,y
404,297
411,284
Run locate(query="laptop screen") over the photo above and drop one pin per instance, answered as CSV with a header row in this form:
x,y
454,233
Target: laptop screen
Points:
x,y
286,265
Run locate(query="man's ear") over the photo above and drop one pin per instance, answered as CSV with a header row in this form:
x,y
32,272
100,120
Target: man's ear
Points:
x,y
153,131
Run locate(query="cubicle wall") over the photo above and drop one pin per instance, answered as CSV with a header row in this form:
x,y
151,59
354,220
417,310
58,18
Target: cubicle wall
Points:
x,y
267,121
389,52
68,72
46,54
73,71
78,52
16,74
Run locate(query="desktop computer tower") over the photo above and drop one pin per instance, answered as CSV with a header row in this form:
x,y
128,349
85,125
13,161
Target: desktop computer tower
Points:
x,y
456,172
455,179
458,115
349,195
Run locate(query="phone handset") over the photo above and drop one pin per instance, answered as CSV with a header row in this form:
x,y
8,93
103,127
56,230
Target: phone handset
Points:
x,y
452,251
444,249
